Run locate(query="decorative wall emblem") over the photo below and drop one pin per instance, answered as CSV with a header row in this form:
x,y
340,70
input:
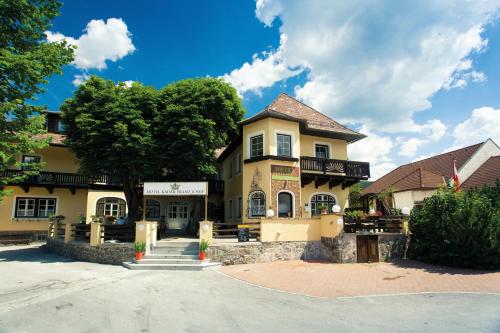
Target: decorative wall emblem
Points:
x,y
256,179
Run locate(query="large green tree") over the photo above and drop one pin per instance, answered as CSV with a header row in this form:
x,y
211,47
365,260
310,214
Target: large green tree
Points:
x,y
139,133
26,61
197,116
108,127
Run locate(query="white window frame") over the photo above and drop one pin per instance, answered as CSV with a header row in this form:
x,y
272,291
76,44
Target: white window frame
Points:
x,y
293,204
320,193
294,146
35,197
249,142
250,205
330,152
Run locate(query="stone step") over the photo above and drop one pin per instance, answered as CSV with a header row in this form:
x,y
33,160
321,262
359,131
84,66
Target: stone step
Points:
x,y
172,267
177,244
167,261
174,251
171,256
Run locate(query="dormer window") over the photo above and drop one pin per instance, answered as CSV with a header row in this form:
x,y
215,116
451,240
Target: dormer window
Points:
x,y
257,146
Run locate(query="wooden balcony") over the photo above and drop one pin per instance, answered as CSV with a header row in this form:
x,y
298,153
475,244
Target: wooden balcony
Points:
x,y
333,172
51,180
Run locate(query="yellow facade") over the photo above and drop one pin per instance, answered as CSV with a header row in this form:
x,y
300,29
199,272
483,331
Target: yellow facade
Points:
x,y
232,175
258,175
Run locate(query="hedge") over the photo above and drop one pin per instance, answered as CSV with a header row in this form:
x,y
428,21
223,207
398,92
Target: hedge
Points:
x,y
458,229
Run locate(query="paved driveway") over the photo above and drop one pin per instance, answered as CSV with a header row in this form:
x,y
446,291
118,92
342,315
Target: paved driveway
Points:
x,y
41,292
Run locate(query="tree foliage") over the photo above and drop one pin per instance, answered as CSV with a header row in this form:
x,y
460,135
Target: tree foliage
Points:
x,y
197,116
458,229
26,61
139,133
108,127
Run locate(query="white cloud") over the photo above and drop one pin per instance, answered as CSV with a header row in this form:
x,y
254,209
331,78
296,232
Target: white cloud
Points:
x,y
128,83
372,62
101,41
80,79
374,149
410,146
483,123
262,72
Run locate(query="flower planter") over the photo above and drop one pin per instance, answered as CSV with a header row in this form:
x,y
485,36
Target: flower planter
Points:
x,y
138,255
202,255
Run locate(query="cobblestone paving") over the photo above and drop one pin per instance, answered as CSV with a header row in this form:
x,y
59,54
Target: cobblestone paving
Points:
x,y
344,280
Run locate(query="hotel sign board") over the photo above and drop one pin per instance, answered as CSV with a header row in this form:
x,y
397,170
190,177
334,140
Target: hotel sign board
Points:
x,y
176,188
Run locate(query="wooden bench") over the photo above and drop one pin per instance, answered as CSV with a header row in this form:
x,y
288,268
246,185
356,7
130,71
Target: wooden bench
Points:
x,y
15,238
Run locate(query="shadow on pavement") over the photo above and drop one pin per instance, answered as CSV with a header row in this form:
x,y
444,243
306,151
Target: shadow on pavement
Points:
x,y
30,254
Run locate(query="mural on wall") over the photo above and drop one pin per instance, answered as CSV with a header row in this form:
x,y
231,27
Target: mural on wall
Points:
x,y
286,178
256,179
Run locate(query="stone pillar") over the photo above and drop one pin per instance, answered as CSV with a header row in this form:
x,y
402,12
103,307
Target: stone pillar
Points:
x,y
331,225
406,227
95,234
146,232
206,231
51,231
68,232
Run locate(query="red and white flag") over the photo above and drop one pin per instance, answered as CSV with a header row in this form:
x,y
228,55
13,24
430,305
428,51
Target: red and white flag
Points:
x,y
456,181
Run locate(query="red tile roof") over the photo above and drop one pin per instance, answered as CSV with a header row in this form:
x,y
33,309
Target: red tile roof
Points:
x,y
486,174
287,107
427,173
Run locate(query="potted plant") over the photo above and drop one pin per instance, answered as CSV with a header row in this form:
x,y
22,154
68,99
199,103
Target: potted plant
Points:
x,y
139,250
323,209
203,248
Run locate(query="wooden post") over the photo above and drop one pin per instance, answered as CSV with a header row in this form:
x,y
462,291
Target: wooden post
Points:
x,y
206,207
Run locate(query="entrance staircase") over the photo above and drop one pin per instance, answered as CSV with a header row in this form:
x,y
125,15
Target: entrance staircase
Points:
x,y
168,255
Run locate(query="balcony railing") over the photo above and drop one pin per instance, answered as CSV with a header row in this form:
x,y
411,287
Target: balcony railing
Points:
x,y
46,178
326,166
60,178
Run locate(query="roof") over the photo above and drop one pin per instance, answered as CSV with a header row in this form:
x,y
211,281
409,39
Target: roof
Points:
x,y
486,174
57,139
312,121
427,173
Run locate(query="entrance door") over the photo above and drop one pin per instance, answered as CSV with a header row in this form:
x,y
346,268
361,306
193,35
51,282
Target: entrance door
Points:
x,y
367,248
177,215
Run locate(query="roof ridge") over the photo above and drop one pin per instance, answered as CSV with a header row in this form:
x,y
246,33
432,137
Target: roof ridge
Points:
x,y
313,109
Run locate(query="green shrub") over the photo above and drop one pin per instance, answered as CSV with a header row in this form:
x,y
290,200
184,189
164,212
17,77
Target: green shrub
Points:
x,y
458,229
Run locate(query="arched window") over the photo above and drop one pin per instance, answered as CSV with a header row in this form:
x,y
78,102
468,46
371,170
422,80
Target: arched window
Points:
x,y
322,200
110,207
257,204
152,209
285,204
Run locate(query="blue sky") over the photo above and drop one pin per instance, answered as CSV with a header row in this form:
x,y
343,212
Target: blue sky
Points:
x,y
419,79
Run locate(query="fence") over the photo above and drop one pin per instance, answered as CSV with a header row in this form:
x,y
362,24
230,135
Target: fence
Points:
x,y
230,229
374,224
81,232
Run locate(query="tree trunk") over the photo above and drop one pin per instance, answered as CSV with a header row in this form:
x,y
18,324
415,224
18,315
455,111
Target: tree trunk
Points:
x,y
133,198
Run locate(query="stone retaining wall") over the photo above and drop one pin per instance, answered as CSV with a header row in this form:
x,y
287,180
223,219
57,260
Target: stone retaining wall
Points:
x,y
340,249
107,253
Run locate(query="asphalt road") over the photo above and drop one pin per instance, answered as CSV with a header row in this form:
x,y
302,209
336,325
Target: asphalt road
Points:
x,y
42,292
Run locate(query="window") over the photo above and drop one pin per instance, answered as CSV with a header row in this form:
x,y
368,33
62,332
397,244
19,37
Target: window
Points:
x,y
285,204
110,207
152,209
239,163
230,171
230,209
257,204
284,143
257,146
177,210
239,208
322,151
29,159
35,207
320,200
